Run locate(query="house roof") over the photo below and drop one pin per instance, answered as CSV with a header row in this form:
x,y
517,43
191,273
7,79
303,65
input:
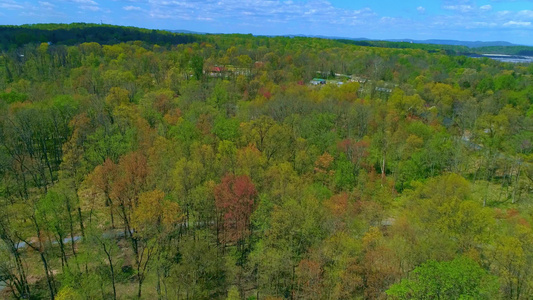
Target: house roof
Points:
x,y
217,69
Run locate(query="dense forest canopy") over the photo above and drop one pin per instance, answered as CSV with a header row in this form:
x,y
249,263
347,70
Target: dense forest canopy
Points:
x,y
144,164
12,37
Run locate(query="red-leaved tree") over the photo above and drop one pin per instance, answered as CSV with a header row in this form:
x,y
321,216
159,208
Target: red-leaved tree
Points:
x,y
234,200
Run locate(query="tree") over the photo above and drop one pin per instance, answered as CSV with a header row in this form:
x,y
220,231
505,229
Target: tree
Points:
x,y
235,201
102,178
98,245
188,174
295,227
323,166
461,278
129,183
197,66
265,134
13,270
511,254
55,210
153,220
200,272
448,218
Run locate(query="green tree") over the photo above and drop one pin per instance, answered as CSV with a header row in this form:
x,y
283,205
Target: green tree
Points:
x,y
197,66
461,278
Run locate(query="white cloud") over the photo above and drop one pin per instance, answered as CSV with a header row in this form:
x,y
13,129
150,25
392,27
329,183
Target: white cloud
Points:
x,y
421,9
46,4
486,7
517,24
483,25
503,13
85,2
389,20
257,11
461,8
528,14
10,5
90,7
130,8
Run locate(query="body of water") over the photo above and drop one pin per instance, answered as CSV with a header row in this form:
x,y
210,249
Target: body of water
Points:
x,y
505,58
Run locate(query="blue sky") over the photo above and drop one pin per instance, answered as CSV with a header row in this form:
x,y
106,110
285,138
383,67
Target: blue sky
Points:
x,y
471,20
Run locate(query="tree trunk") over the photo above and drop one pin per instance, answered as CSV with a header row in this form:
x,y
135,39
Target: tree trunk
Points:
x,y
383,171
139,288
517,183
111,269
71,224
20,281
158,285
81,222
49,279
64,259
110,204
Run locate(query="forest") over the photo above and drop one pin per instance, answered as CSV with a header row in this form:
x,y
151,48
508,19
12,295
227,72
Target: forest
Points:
x,y
151,165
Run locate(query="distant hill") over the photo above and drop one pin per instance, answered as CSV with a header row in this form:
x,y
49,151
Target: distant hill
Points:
x,y
450,46
469,44
450,49
328,37
476,44
184,31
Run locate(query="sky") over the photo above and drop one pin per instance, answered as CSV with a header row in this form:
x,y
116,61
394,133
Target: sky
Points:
x,y
467,20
